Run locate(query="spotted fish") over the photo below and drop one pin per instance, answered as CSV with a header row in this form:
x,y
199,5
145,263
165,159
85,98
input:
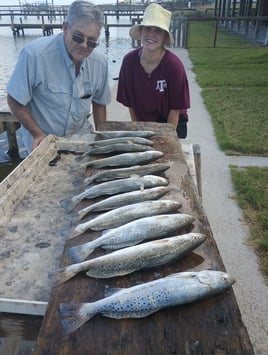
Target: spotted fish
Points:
x,y
145,299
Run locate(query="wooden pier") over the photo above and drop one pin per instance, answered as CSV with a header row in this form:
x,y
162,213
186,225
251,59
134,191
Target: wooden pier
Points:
x,y
21,19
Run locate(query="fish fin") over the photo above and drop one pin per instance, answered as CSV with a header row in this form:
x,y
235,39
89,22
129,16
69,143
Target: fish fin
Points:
x,y
59,276
71,318
68,204
109,291
184,275
74,233
82,213
135,176
80,157
78,182
80,252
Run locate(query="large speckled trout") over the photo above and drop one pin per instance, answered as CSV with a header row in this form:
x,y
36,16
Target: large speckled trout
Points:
x,y
147,298
133,233
127,260
125,214
115,134
120,173
114,187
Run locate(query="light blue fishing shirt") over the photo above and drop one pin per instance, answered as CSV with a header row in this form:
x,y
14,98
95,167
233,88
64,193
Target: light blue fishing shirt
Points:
x,y
44,81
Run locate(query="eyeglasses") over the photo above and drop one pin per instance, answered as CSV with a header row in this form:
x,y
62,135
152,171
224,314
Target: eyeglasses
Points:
x,y
80,38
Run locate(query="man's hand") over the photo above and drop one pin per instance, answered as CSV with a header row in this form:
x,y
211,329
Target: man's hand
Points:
x,y
37,140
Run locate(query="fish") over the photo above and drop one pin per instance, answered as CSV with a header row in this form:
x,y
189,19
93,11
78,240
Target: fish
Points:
x,y
114,187
125,214
115,148
124,159
147,298
125,261
123,199
119,173
116,134
137,140
133,233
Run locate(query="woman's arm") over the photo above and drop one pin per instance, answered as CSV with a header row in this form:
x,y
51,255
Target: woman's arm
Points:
x,y
173,117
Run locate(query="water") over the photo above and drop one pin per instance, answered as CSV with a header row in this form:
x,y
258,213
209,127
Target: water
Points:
x,y
115,48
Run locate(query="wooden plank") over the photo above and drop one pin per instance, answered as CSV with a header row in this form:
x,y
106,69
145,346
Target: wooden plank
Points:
x,y
16,185
210,326
31,222
36,308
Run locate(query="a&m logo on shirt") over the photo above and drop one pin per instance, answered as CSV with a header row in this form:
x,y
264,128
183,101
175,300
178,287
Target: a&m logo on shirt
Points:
x,y
161,85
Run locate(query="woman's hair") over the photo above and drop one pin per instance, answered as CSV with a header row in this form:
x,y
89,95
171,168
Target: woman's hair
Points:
x,y
86,12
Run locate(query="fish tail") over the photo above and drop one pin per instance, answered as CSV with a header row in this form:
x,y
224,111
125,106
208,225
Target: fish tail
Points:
x,y
72,318
80,253
79,182
82,213
59,276
79,157
68,204
74,232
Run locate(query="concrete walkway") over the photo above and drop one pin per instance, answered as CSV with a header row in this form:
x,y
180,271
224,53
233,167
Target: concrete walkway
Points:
x,y
224,215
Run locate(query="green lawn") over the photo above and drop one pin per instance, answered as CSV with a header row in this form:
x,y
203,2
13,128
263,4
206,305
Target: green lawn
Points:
x,y
234,82
235,91
251,184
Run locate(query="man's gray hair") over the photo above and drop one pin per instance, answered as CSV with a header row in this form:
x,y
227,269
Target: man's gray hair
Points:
x,y
84,11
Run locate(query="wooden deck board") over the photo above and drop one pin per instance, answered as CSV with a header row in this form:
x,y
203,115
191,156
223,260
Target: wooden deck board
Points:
x,y
212,326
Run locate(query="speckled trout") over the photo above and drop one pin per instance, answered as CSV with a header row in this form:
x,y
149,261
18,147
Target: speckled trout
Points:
x,y
137,140
125,214
124,159
127,260
120,173
114,148
147,298
133,233
114,187
115,134
123,199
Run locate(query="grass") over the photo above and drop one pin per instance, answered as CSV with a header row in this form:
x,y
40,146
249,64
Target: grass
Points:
x,y
235,87
234,81
251,184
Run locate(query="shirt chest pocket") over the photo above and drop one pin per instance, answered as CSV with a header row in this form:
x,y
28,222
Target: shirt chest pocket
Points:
x,y
57,97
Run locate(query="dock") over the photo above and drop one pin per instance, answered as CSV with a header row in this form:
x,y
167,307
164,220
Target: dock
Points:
x,y
49,19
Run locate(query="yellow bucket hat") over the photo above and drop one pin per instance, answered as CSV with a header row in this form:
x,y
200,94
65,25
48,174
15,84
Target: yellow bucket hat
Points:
x,y
156,16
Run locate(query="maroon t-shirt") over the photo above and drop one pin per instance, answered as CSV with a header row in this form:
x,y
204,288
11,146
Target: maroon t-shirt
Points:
x,y
154,95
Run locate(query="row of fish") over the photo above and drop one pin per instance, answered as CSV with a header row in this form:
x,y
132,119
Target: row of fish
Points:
x,y
142,234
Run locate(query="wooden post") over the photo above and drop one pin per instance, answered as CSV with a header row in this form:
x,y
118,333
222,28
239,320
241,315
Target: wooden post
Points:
x,y
13,150
197,160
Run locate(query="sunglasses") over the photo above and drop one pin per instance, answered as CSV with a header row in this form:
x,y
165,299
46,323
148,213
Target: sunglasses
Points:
x,y
79,38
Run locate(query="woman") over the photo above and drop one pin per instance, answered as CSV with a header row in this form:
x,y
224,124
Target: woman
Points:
x,y
152,80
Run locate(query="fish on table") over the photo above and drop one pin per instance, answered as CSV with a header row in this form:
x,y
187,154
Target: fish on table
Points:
x,y
123,199
114,187
120,173
125,214
115,134
122,160
125,261
145,299
114,148
132,233
127,139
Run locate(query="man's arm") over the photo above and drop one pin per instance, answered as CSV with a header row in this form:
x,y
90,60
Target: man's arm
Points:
x,y
26,119
99,113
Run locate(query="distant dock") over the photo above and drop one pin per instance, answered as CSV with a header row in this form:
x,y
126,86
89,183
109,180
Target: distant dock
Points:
x,y
47,19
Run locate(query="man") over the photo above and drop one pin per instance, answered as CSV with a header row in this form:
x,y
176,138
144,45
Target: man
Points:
x,y
58,78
